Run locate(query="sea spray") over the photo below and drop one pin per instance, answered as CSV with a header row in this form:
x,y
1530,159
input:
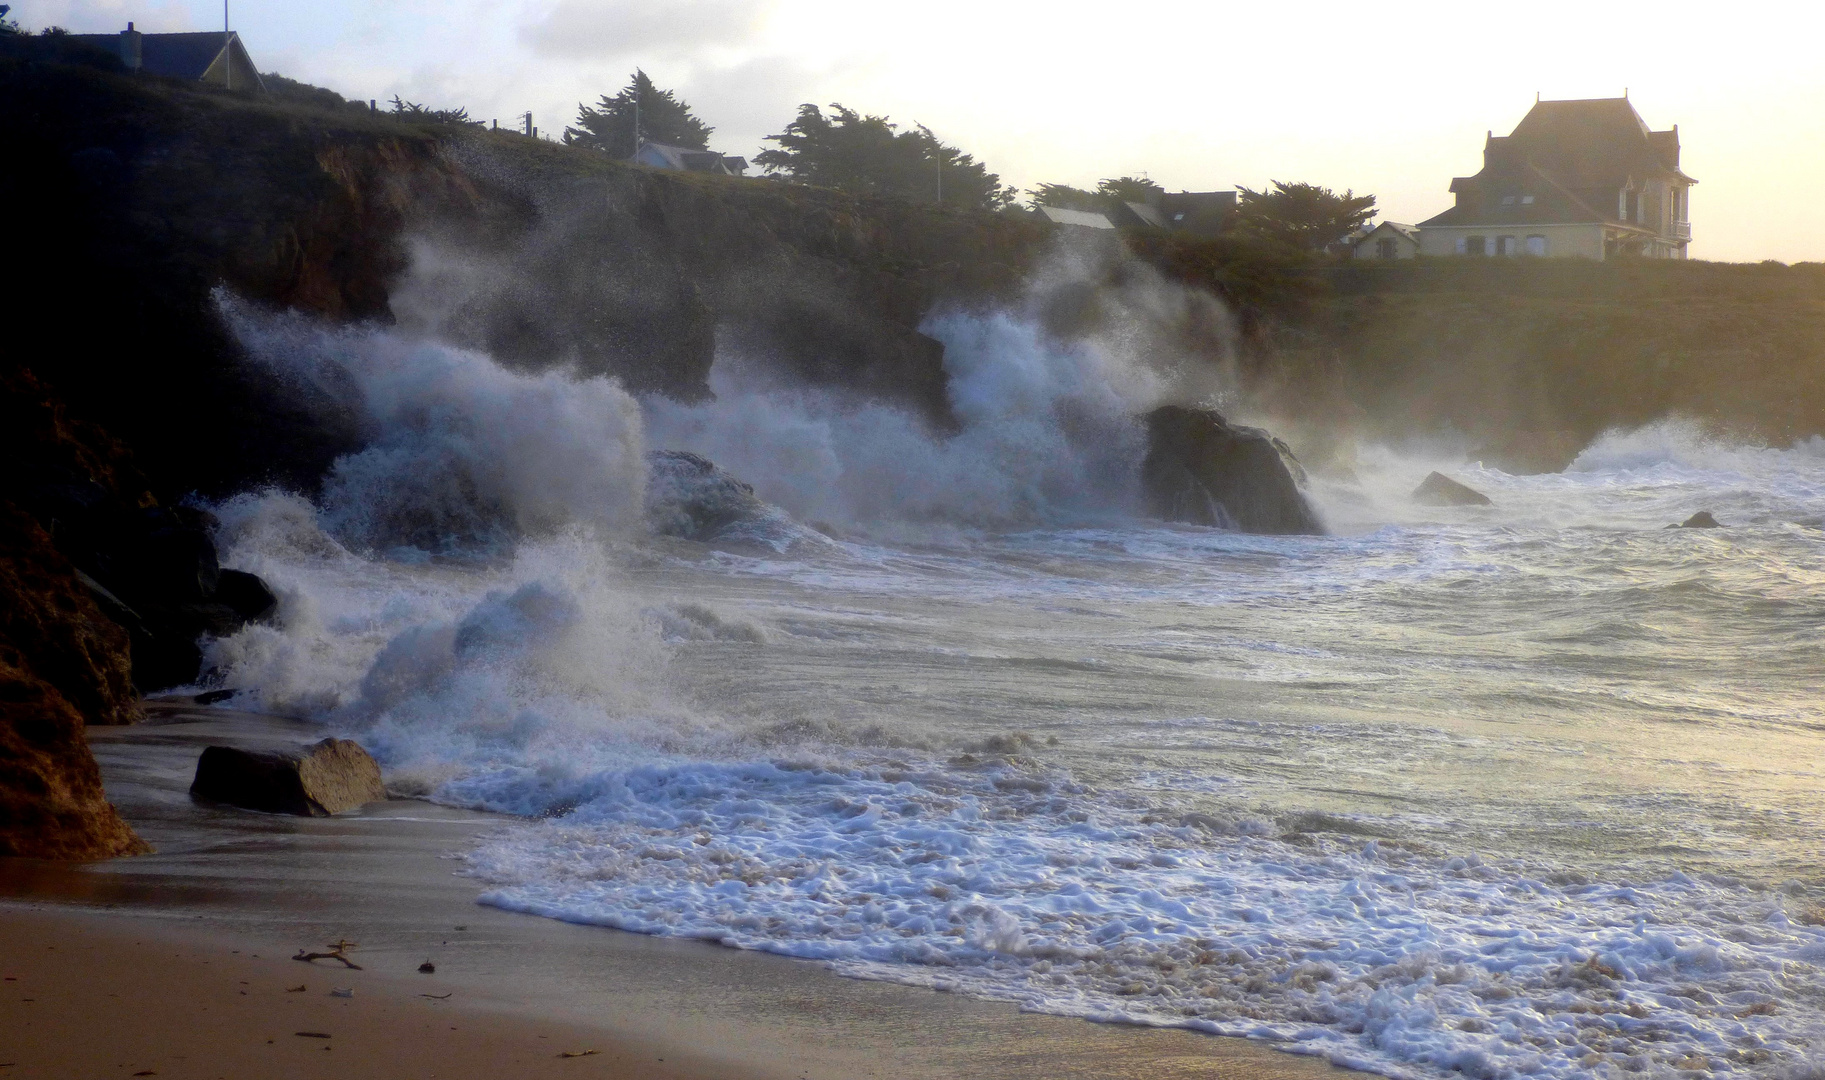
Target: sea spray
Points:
x,y
460,451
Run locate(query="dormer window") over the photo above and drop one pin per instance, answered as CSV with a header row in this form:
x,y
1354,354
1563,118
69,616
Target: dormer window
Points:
x,y
1508,200
1527,200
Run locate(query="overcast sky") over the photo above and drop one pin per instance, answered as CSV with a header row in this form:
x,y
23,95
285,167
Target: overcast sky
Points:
x,y
1392,98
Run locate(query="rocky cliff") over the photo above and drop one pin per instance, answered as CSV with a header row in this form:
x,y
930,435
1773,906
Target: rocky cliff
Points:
x,y
61,662
1526,361
144,196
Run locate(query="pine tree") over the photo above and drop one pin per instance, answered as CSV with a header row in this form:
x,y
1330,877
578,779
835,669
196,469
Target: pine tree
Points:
x,y
609,126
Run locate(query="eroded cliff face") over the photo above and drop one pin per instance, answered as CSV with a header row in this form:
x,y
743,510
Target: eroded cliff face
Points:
x,y
61,662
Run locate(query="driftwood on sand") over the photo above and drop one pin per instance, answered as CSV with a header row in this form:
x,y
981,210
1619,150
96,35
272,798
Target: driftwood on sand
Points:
x,y
336,952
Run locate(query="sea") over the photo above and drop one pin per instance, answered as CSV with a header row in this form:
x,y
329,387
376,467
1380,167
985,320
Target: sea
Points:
x,y
1528,789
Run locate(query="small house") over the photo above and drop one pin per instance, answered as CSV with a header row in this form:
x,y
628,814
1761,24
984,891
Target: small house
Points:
x,y
1202,213
1584,178
214,56
1387,241
685,159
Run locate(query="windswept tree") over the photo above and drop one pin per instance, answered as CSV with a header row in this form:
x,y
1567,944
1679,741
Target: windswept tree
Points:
x,y
1303,216
1066,197
1129,189
609,126
1108,193
870,155
412,110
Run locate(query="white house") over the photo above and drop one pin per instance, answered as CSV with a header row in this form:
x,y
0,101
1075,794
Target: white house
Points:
x,y
1387,241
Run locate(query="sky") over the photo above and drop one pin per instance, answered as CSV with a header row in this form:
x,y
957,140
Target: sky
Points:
x,y
1392,99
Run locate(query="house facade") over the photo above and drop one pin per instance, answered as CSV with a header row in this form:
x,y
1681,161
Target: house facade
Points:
x,y
1386,242
215,57
1579,179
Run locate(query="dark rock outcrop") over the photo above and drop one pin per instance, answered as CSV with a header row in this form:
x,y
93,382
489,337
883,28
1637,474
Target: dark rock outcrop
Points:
x,y
151,569
51,800
1204,470
62,663
312,781
1437,489
689,497
1700,520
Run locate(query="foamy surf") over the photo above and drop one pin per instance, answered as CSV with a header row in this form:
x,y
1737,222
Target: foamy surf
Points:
x,y
1531,789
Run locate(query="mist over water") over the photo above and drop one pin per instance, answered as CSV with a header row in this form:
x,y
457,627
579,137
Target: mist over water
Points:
x,y
1529,789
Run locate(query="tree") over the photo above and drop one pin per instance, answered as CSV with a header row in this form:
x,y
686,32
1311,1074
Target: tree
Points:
x,y
609,126
856,152
1106,198
1304,216
1129,189
412,110
1066,197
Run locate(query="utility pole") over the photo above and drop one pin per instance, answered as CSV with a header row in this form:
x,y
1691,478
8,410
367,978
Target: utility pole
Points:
x,y
938,161
637,139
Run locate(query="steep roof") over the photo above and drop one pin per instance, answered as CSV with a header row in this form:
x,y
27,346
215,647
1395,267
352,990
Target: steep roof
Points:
x,y
175,56
687,159
1564,164
1591,142
1411,232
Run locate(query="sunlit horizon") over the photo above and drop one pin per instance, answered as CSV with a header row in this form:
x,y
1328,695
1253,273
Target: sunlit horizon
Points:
x,y
1192,97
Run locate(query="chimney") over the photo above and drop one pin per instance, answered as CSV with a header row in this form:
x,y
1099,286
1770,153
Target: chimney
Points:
x,y
130,50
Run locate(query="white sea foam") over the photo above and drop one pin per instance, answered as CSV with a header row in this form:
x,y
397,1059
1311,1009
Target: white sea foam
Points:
x,y
1009,882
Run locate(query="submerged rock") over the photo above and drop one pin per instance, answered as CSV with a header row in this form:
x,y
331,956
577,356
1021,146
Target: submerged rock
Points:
x,y
1203,470
1700,520
1437,489
313,781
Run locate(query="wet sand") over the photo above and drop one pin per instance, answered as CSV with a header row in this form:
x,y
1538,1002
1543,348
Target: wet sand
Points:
x,y
174,935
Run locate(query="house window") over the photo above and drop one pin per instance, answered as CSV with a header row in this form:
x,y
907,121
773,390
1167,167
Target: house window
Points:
x,y
1505,246
1508,200
1476,245
1527,200
1536,245
1386,249
1463,246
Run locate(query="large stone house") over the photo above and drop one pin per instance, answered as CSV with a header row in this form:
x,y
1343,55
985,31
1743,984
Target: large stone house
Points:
x,y
1576,178
212,56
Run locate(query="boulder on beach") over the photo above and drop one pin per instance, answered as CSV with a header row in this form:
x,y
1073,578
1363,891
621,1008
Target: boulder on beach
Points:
x,y
1700,520
311,781
1203,470
1437,489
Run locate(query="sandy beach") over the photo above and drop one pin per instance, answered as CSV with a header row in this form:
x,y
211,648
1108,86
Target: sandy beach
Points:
x,y
178,964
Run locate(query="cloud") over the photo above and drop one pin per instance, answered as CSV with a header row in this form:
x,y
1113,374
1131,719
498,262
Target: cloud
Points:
x,y
578,28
